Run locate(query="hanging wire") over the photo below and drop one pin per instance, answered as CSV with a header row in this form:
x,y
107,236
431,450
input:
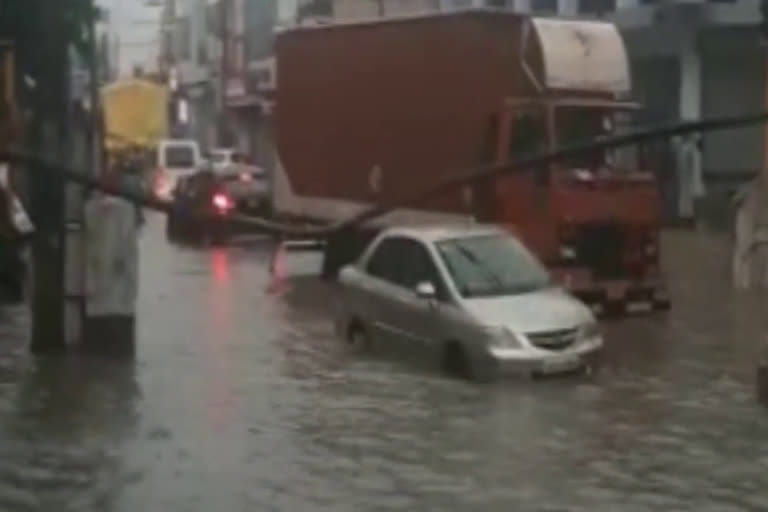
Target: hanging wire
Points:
x,y
36,163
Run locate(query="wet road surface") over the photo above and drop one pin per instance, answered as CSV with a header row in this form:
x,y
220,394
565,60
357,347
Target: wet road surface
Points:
x,y
242,401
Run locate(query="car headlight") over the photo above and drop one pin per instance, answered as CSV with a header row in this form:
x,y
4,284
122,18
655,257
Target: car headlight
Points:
x,y
590,331
503,338
567,252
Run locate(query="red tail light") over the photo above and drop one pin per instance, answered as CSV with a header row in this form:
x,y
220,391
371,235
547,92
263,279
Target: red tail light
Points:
x,y
159,181
222,202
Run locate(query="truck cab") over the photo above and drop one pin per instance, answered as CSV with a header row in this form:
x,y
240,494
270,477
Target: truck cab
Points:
x,y
593,218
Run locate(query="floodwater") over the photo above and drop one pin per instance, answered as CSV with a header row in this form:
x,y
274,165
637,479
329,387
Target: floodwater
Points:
x,y
242,401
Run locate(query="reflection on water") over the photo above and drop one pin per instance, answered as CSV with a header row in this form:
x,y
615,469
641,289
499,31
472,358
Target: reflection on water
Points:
x,y
243,401
62,429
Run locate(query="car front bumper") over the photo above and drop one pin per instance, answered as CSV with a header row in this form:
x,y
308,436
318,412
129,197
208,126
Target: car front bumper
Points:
x,y
535,362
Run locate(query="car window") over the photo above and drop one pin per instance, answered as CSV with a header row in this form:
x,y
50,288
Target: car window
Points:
x,y
405,262
385,262
179,155
417,265
492,265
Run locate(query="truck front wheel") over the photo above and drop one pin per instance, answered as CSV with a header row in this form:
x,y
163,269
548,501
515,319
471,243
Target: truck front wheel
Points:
x,y
171,227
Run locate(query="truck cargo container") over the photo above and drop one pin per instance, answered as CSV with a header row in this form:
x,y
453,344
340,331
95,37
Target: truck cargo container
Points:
x,y
366,111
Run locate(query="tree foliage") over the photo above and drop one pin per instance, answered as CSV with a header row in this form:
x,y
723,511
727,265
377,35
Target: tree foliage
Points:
x,y
42,32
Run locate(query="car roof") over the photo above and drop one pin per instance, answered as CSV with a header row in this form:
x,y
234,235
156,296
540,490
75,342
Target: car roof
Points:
x,y
438,232
178,141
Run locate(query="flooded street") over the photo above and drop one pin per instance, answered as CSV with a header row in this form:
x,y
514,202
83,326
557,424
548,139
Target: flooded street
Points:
x,y
244,401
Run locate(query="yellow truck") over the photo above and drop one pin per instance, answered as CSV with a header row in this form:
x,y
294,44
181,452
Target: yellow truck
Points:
x,y
135,115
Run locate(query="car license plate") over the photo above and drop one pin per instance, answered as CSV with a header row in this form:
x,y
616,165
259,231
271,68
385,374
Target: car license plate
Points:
x,y
639,307
615,290
560,364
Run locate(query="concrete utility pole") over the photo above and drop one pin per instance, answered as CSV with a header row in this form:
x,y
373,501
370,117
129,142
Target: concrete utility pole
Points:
x,y
110,241
84,153
764,36
52,137
224,15
93,68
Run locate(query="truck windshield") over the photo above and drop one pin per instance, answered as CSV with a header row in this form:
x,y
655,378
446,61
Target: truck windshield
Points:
x,y
578,125
492,265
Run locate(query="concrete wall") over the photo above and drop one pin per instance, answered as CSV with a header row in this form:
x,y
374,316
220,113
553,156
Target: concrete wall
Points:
x,y
366,9
261,18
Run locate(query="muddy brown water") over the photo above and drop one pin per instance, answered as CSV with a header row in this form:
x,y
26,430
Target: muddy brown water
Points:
x,y
244,401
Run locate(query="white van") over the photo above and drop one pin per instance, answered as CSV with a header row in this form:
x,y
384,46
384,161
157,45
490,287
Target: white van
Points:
x,y
176,158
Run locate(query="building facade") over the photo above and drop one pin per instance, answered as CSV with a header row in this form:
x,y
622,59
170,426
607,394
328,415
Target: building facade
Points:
x,y
186,63
694,59
248,73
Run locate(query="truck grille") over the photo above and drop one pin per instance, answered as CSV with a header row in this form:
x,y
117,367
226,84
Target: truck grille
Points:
x,y
554,340
601,247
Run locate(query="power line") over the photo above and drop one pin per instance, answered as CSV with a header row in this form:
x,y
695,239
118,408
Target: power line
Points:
x,y
36,163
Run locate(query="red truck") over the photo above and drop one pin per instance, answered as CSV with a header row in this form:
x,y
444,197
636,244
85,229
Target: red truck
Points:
x,y
367,111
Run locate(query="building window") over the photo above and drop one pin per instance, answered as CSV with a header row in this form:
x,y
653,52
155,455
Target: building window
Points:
x,y
544,5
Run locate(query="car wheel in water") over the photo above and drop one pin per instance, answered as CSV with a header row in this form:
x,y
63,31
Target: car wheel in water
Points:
x,y
455,361
614,308
219,237
170,227
357,338
662,305
593,363
761,383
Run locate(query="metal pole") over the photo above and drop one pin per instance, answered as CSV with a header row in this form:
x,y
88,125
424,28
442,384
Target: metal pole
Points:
x,y
224,15
95,141
92,159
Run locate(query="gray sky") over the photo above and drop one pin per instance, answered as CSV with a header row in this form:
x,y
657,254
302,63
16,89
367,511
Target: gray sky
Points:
x,y
137,27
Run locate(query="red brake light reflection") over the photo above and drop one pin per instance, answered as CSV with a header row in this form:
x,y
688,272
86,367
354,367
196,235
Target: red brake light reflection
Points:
x,y
222,202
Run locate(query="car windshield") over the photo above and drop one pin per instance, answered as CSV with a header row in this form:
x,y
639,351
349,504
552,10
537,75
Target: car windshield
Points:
x,y
179,156
219,158
492,265
578,125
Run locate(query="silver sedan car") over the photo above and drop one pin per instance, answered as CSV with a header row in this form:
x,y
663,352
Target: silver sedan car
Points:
x,y
473,296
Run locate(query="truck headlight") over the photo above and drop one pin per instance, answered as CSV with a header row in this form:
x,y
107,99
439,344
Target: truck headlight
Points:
x,y
503,338
567,252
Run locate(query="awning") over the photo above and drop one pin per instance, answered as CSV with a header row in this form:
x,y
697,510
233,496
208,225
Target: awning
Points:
x,y
583,55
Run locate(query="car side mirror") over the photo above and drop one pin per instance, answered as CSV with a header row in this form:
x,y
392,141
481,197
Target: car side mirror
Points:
x,y
426,290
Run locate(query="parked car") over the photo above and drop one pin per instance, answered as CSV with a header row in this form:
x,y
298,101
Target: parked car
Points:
x,y
246,184
198,200
249,188
473,296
